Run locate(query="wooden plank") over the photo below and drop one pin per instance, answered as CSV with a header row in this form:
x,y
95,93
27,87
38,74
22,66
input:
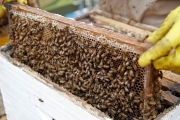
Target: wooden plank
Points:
x,y
170,85
123,20
121,26
171,76
166,83
167,96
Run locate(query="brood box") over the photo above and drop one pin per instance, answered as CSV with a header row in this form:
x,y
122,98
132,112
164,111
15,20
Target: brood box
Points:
x,y
95,64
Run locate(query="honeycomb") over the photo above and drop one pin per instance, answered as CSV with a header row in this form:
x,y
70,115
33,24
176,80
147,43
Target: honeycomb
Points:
x,y
99,70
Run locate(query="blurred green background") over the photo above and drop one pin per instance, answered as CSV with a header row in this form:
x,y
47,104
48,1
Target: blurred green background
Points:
x,y
59,6
64,7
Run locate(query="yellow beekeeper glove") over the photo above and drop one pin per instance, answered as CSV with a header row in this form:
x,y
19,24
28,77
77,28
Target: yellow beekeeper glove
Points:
x,y
3,9
165,54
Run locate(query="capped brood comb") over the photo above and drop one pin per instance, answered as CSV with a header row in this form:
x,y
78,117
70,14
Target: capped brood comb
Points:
x,y
95,64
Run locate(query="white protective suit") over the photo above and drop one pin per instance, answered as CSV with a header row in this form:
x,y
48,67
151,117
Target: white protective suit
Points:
x,y
151,12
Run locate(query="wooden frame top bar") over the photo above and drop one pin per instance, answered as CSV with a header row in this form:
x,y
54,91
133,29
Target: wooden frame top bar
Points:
x,y
120,38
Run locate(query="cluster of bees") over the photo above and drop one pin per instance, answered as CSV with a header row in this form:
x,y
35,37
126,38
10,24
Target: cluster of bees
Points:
x,y
104,76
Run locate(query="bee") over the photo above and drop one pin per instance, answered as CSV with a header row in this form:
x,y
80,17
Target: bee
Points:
x,y
125,78
134,59
41,26
90,101
125,73
152,103
103,55
131,95
147,107
119,68
113,112
106,66
109,75
127,63
123,115
123,69
62,81
147,114
159,106
160,74
130,110
131,73
111,64
136,119
136,101
122,92
137,98
40,100
129,78
117,58
103,107
140,118
129,67
150,95
61,73
33,62
136,74
134,67
108,103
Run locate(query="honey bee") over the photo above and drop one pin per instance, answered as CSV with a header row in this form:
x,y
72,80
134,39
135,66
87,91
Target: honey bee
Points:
x,y
119,68
136,119
62,81
147,114
136,101
123,115
152,103
134,59
127,63
123,69
61,73
140,118
90,101
150,96
34,62
134,67
40,100
147,107
113,112
136,74
159,106
125,78
118,58
129,67
130,110
131,95
125,73
103,107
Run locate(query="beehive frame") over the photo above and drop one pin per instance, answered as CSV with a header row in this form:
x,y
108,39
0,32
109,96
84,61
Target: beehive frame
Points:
x,y
89,39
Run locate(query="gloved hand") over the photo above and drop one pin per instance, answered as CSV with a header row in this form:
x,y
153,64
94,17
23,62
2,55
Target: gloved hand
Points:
x,y
165,54
3,9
